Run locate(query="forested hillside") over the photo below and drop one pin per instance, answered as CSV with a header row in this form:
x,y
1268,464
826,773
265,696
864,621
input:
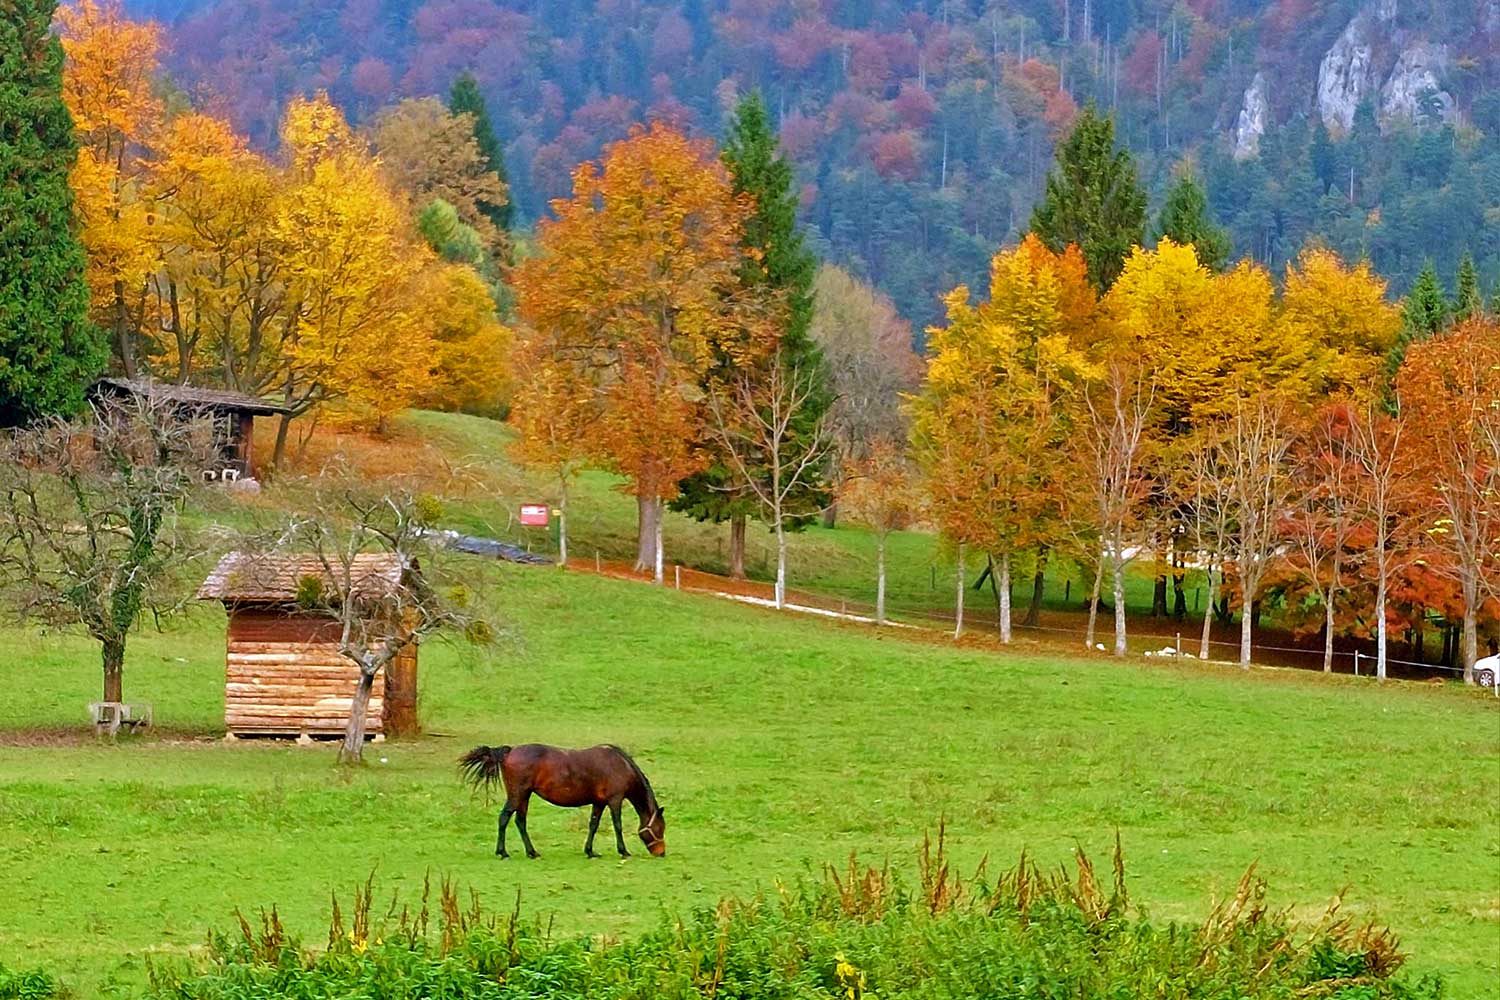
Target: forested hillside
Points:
x,y
922,130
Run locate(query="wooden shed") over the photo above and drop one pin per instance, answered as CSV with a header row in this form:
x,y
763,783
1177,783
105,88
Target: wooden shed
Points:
x,y
233,414
285,675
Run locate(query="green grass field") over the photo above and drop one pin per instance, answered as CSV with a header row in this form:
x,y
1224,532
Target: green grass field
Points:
x,y
775,741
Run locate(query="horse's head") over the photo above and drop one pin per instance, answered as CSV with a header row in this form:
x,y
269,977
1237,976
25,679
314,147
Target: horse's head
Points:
x,y
654,833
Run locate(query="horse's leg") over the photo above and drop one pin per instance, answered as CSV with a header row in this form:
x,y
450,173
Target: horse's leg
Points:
x,y
505,815
588,848
614,814
521,825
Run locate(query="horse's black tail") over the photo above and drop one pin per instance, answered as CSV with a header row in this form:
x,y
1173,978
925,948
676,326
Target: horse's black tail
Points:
x,y
480,767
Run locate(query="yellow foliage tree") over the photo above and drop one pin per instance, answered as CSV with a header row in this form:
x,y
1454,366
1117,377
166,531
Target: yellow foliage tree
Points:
x,y
471,370
107,84
1344,311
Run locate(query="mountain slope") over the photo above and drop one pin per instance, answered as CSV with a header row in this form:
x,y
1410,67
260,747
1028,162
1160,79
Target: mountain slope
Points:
x,y
922,130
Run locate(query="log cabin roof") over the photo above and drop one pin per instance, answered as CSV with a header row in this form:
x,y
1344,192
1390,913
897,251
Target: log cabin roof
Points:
x,y
191,395
255,578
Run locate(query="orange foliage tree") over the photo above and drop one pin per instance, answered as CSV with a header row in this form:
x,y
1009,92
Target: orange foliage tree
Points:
x,y
635,286
1449,388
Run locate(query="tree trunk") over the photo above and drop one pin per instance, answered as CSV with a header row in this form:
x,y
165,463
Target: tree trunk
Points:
x,y
562,521
1247,620
1159,590
1119,581
352,752
1328,634
1179,595
124,339
737,524
831,515
1038,590
1380,626
958,606
780,565
1088,636
1208,611
648,513
1471,629
113,656
279,454
1003,583
658,568
880,579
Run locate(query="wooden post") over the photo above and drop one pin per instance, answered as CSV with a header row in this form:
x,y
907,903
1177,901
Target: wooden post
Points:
x,y
677,576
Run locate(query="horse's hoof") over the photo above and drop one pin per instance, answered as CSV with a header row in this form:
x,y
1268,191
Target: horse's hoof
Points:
x,y
502,855
624,854
533,855
591,854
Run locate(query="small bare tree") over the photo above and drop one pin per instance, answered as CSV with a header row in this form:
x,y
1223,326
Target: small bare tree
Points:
x,y
1381,492
754,417
881,492
90,535
375,567
1205,490
1112,446
1253,446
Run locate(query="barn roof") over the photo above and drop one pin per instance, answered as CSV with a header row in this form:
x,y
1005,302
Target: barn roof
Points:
x,y
192,395
246,576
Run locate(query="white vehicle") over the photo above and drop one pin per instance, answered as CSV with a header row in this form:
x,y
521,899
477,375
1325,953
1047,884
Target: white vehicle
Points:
x,y
1485,670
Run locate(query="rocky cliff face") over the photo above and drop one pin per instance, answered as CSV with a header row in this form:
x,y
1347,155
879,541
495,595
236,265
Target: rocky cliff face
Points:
x,y
1347,73
1255,113
1414,92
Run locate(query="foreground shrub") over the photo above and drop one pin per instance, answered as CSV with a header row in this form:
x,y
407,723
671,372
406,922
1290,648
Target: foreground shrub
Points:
x,y
853,934
27,985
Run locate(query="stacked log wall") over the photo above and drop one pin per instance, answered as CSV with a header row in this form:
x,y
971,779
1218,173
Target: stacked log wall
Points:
x,y
285,675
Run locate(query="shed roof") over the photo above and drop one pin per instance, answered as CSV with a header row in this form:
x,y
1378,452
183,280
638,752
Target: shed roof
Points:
x,y
192,395
247,576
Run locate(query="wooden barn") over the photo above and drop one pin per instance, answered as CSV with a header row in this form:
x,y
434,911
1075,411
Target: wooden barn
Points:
x,y
233,414
285,675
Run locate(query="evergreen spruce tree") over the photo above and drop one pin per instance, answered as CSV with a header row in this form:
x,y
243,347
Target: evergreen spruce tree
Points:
x,y
48,348
465,98
1185,218
783,265
1093,199
1423,314
1469,300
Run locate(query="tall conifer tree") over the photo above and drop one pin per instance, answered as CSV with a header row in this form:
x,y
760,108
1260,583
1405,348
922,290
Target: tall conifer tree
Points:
x,y
1093,199
781,264
48,348
465,98
1185,219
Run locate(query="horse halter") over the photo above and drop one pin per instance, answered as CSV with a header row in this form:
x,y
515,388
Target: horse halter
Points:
x,y
645,831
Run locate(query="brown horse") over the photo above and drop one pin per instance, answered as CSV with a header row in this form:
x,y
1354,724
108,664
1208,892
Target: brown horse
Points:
x,y
598,777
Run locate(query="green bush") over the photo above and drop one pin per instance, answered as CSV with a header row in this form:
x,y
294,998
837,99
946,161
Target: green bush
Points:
x,y
33,985
857,934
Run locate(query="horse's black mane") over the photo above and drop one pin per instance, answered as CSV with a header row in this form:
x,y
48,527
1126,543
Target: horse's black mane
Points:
x,y
646,782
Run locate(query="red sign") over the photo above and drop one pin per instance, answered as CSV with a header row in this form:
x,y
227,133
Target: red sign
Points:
x,y
534,515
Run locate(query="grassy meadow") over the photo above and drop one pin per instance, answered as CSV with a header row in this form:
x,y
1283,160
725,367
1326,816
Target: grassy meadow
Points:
x,y
776,742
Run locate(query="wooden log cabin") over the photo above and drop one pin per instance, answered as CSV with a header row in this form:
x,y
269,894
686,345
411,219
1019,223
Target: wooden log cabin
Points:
x,y
233,415
284,673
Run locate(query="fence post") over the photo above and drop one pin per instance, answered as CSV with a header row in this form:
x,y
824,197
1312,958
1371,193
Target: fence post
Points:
x,y
598,568
1356,663
677,576
1179,645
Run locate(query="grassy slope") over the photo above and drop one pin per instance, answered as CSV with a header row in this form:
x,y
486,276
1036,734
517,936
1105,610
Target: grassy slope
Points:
x,y
775,741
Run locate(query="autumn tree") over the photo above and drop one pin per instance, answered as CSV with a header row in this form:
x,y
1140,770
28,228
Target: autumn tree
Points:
x,y
1093,199
466,100
881,493
871,363
1204,488
1340,314
48,347
429,152
1185,219
1449,387
637,283
1321,520
352,330
108,86
775,265
90,530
